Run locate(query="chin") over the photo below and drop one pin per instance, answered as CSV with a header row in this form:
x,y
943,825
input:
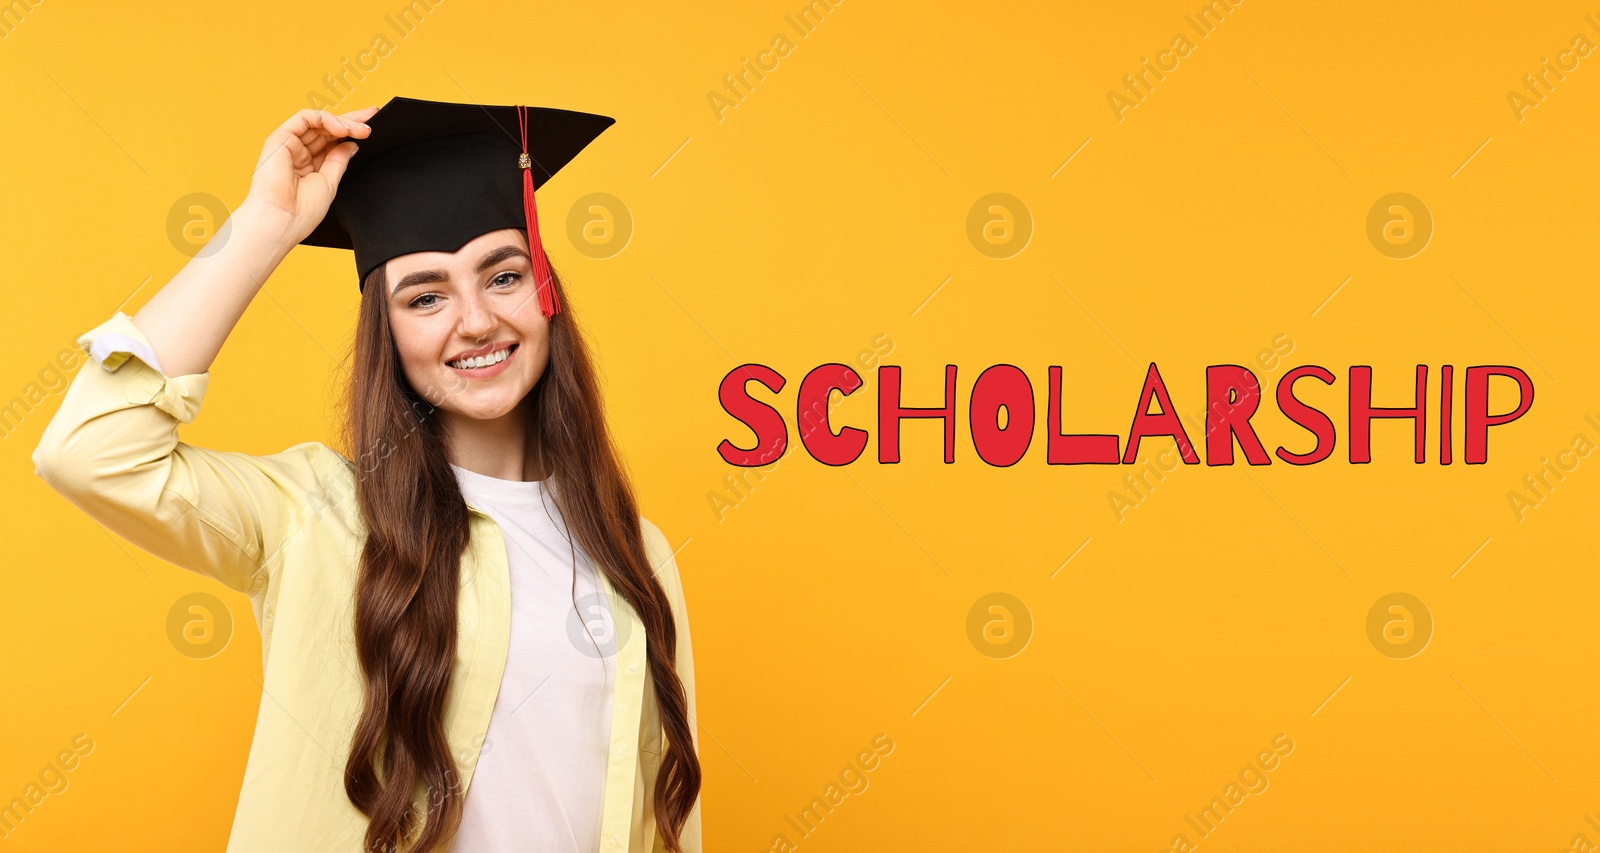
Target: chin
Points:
x,y
484,410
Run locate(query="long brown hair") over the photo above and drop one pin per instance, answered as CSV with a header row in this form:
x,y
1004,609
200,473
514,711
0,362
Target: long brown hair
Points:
x,y
417,529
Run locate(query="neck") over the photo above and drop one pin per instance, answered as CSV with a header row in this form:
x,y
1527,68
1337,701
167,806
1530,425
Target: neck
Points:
x,y
500,447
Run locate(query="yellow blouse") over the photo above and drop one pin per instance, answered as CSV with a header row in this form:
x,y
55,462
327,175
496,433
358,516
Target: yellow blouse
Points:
x,y
285,530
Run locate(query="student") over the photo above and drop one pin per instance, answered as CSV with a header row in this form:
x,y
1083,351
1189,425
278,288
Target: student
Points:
x,y
472,640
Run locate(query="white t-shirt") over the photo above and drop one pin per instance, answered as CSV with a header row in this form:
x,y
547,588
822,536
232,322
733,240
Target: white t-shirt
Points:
x,y
540,780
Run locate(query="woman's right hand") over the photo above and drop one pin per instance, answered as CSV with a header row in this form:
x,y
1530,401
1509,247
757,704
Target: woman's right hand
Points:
x,y
299,169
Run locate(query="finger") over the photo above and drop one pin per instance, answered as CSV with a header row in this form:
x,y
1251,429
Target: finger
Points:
x,y
307,135
308,159
319,143
340,126
307,123
304,125
360,115
290,154
334,129
298,123
301,157
277,143
319,151
325,124
334,164
356,130
356,124
316,140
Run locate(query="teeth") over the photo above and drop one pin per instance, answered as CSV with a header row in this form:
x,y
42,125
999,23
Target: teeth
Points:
x,y
482,360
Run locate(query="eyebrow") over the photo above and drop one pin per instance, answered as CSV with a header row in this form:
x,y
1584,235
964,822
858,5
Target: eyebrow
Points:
x,y
428,276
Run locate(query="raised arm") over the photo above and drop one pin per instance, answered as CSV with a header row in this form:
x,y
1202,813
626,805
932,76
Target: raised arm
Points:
x,y
293,185
112,448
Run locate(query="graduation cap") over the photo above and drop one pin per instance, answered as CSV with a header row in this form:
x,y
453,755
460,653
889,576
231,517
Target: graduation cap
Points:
x,y
432,176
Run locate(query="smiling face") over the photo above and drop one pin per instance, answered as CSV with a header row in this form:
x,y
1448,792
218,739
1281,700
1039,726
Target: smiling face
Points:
x,y
467,325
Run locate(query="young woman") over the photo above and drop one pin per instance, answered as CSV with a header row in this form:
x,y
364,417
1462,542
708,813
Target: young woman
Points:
x,y
471,639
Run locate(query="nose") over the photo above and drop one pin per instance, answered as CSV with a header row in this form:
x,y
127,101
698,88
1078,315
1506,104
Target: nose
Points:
x,y
478,319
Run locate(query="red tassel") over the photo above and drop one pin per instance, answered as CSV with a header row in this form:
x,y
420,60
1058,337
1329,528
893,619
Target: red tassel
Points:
x,y
549,303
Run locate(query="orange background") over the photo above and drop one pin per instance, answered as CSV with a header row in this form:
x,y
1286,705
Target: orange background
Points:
x,y
1227,212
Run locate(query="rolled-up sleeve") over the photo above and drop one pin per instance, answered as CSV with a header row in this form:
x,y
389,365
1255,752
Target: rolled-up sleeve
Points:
x,y
113,450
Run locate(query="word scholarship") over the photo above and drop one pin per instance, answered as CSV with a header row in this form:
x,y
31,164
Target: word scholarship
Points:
x,y
1001,416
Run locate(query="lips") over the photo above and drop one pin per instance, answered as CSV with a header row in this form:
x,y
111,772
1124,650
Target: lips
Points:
x,y
485,365
484,356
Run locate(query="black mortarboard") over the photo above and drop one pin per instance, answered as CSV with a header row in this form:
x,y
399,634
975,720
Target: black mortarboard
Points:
x,y
434,175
